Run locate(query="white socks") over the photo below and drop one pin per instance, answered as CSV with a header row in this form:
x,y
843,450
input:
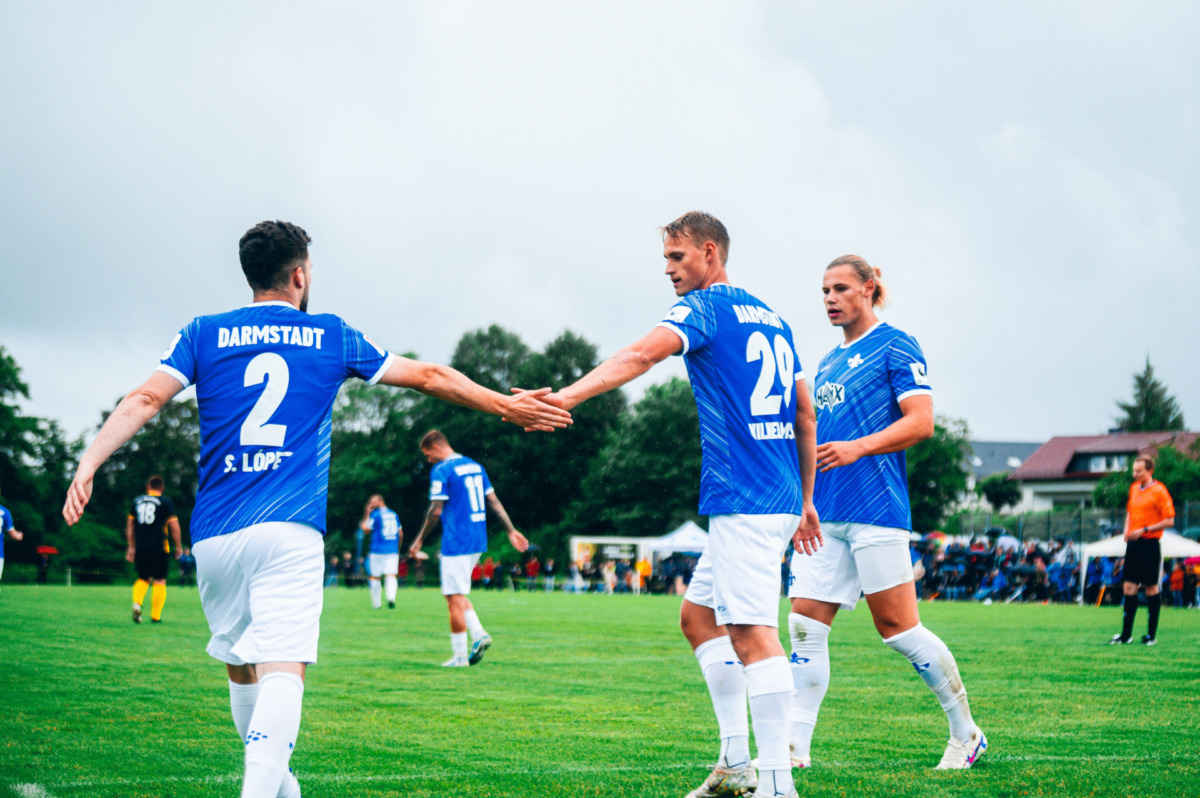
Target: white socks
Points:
x,y
810,677
727,685
271,736
241,704
936,666
376,592
458,644
389,588
769,683
473,625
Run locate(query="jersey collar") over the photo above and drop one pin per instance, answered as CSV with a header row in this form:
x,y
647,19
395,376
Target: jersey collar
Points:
x,y
271,302
871,329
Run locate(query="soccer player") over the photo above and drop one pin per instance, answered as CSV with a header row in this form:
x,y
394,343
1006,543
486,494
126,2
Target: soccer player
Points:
x,y
266,375
7,528
873,401
1148,512
151,517
383,526
460,494
757,438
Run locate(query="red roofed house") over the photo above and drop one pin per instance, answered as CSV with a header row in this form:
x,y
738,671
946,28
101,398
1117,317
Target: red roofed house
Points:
x,y
1065,470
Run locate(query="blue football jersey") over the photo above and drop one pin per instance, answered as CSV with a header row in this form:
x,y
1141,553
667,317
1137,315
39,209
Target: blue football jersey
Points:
x,y
859,387
463,485
743,368
6,523
385,532
266,376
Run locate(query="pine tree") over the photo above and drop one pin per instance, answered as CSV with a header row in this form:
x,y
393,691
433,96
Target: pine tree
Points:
x,y
1152,408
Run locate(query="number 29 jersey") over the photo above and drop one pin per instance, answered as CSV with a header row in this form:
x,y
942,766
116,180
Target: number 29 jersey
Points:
x,y
743,368
463,485
266,376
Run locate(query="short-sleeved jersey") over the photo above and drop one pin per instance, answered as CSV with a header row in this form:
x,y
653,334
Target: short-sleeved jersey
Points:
x,y
463,485
150,516
859,387
742,364
6,523
266,376
1148,506
385,531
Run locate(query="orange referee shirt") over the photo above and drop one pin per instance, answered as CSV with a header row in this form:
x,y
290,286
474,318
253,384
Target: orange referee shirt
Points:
x,y
1148,506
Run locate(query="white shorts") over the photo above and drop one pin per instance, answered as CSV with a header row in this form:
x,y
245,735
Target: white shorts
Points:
x,y
260,588
383,565
1,561
738,575
856,558
456,573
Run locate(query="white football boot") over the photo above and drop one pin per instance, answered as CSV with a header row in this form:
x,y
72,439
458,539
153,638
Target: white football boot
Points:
x,y
961,755
724,782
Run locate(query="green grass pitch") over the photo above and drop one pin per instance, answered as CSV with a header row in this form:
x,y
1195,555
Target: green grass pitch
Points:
x,y
581,696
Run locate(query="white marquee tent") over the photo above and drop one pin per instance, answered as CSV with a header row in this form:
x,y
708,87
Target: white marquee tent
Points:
x,y
687,537
1173,546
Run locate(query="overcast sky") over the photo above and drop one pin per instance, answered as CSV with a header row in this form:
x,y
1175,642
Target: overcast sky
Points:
x,y
1024,173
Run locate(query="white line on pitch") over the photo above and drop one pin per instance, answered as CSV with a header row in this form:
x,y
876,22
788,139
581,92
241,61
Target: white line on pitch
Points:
x,y
31,791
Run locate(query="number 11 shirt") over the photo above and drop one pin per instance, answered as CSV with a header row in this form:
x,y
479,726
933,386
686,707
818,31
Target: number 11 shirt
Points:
x,y
463,485
266,376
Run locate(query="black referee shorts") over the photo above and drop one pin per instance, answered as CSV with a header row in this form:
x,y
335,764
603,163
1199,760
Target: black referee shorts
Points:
x,y
151,563
1143,562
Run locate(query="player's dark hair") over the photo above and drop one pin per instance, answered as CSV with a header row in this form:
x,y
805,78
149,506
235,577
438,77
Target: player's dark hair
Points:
x,y
700,227
155,483
269,251
865,271
1147,460
433,438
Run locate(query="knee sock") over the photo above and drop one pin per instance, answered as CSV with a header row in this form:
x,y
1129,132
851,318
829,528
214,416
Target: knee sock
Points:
x,y
473,625
272,734
769,683
727,687
242,698
158,599
1153,604
389,588
937,668
1131,607
139,591
376,592
458,644
810,676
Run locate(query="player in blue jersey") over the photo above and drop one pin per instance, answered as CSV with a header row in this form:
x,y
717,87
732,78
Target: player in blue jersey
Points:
x,y
383,525
758,440
873,401
6,528
460,494
266,376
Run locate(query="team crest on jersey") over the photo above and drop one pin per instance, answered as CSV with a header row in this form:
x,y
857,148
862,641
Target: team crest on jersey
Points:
x,y
678,313
855,361
919,376
830,395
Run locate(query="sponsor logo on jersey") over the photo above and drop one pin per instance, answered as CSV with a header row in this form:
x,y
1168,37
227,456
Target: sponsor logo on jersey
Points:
x,y
919,376
772,431
753,314
678,313
249,335
830,395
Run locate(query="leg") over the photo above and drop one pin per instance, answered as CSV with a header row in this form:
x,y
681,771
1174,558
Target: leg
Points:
x,y
723,675
809,625
1130,611
139,597
769,685
376,590
1153,607
457,604
273,728
158,598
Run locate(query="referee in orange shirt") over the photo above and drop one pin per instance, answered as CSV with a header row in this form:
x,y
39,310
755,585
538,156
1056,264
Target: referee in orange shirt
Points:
x,y
1149,512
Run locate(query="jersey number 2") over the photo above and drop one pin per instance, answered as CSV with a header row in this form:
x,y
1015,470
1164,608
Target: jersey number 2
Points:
x,y
762,401
273,369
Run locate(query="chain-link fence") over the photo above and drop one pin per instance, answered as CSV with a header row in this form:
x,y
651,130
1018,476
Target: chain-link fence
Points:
x,y
1080,524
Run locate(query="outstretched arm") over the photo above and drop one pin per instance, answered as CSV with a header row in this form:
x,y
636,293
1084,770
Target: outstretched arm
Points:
x,y
525,409
129,416
519,541
914,426
628,364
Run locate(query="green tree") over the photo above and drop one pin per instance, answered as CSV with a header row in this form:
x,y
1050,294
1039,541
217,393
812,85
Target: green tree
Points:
x,y
937,473
1152,408
1000,491
1178,470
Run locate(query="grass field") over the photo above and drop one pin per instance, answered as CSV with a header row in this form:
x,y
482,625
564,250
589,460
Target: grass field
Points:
x,y
581,696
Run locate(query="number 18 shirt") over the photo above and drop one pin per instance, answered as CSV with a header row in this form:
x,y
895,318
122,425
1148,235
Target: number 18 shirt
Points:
x,y
743,369
463,485
266,376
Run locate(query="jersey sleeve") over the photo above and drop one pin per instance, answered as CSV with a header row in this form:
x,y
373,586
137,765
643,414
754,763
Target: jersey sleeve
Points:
x,y
487,482
179,360
6,520
1166,504
376,520
364,358
693,320
907,370
438,489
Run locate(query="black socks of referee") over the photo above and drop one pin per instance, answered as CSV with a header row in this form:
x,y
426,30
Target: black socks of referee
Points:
x,y
1154,604
1131,606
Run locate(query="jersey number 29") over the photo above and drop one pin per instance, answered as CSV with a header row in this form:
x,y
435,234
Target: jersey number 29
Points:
x,y
762,401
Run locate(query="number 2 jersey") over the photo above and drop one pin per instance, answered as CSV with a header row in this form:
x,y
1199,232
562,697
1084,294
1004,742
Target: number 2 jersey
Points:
x,y
463,485
859,388
743,368
266,376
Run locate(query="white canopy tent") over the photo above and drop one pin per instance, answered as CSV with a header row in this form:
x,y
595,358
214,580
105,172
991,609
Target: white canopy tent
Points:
x,y
687,537
1173,546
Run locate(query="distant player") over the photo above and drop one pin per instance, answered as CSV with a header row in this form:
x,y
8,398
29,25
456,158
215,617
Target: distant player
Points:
x,y
460,494
383,526
151,518
266,376
757,438
1148,512
7,528
873,401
